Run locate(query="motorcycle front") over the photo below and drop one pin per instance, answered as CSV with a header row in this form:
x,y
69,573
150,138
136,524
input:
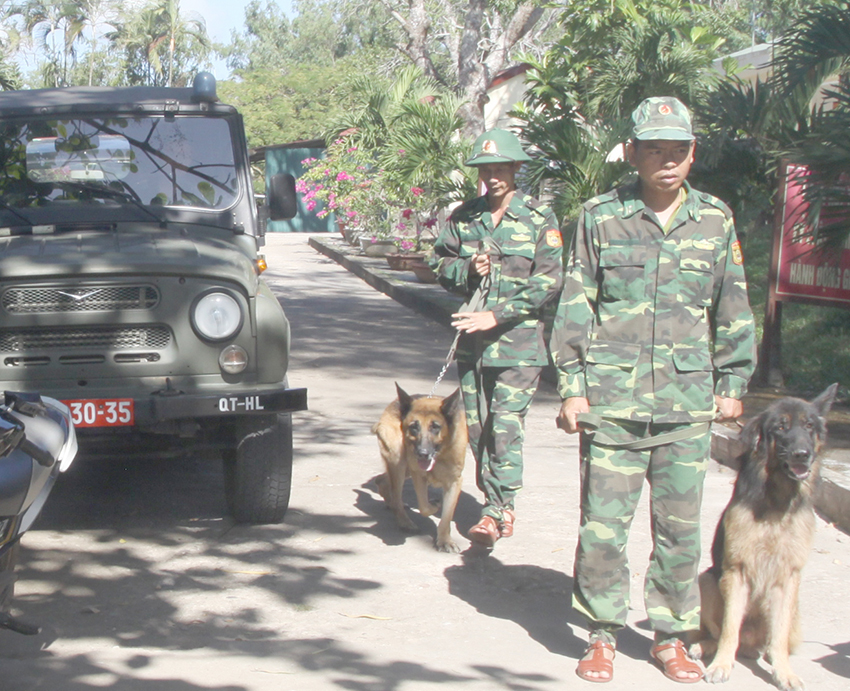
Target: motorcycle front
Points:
x,y
37,442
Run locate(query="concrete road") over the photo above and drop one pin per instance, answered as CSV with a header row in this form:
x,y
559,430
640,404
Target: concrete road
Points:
x,y
142,581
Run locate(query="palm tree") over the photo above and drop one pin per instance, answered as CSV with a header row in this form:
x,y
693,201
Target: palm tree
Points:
x,y
656,54
382,103
56,28
163,44
10,38
817,50
96,15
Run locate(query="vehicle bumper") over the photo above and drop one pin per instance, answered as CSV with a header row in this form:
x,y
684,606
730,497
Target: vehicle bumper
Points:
x,y
178,405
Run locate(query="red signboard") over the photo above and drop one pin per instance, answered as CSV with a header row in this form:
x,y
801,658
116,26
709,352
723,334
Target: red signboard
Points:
x,y
803,272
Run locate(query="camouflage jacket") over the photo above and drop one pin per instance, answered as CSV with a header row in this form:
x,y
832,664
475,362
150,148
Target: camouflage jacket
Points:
x,y
524,277
651,324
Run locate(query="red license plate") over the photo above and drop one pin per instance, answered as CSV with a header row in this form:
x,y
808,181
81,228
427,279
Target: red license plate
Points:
x,y
101,412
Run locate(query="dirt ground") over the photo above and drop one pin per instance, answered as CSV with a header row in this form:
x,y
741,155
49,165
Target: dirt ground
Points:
x,y
141,581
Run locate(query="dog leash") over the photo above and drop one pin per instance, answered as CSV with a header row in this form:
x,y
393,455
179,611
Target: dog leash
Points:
x,y
593,421
474,304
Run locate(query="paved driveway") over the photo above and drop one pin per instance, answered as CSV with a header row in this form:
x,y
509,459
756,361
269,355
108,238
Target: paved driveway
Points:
x,y
142,582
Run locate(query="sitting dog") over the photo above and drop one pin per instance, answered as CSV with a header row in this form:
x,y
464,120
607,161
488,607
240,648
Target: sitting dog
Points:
x,y
749,595
425,438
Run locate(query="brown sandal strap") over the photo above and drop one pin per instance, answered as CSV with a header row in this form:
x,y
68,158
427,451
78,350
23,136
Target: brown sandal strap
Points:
x,y
597,663
678,663
485,532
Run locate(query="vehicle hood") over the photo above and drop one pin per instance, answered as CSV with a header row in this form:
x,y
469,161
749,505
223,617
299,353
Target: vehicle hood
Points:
x,y
140,251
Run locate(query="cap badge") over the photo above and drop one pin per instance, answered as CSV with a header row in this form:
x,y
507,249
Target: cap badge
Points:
x,y
489,147
664,109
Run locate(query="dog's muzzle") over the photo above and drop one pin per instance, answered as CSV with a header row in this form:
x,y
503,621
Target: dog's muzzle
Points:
x,y
427,461
798,464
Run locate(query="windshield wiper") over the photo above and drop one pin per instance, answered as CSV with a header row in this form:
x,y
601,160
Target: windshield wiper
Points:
x,y
121,195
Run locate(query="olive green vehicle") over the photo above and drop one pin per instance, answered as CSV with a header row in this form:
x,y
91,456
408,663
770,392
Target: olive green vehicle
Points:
x,y
130,280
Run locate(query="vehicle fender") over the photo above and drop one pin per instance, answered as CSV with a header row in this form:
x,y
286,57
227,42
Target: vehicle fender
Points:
x,y
272,337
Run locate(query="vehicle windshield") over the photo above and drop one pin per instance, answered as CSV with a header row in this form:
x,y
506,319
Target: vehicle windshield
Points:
x,y
155,161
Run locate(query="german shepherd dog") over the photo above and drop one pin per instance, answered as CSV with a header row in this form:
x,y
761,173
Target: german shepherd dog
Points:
x,y
749,595
425,438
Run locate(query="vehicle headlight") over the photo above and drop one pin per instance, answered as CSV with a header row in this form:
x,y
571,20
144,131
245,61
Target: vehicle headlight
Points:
x,y
217,316
233,359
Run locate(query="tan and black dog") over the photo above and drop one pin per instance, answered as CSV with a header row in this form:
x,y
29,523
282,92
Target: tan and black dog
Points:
x,y
750,593
425,438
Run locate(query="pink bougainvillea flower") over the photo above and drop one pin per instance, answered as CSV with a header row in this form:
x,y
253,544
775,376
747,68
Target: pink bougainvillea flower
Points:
x,y
311,205
416,191
430,223
407,213
342,176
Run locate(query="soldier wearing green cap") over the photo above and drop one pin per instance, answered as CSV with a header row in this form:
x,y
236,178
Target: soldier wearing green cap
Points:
x,y
653,339
503,252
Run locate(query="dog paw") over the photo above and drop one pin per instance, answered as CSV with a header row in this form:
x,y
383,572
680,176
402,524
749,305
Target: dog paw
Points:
x,y
449,546
718,674
697,651
789,682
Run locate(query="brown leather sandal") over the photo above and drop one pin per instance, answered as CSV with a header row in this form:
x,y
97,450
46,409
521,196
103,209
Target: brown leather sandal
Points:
x,y
680,662
506,527
485,532
598,663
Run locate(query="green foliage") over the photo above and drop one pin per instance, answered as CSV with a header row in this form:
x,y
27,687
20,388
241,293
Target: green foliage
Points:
x,y
582,91
282,108
394,159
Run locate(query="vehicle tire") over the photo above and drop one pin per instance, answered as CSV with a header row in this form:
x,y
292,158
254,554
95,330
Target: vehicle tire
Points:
x,y
8,561
258,469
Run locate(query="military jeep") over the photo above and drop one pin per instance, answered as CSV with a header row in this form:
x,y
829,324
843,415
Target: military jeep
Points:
x,y
130,282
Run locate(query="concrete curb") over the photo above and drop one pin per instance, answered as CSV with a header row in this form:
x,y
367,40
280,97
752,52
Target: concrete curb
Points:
x,y
832,499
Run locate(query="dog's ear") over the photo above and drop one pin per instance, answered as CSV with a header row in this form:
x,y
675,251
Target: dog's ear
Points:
x,y
450,407
405,402
824,402
752,434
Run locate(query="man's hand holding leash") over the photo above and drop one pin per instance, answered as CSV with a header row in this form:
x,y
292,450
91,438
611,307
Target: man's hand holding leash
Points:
x,y
470,322
567,419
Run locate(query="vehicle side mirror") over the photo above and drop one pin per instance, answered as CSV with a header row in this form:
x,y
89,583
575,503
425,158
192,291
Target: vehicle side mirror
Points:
x,y
281,198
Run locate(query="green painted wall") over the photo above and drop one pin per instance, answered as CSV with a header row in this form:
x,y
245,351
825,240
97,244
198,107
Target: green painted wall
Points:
x,y
289,161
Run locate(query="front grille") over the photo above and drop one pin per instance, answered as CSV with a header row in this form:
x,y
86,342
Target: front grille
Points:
x,y
112,338
86,299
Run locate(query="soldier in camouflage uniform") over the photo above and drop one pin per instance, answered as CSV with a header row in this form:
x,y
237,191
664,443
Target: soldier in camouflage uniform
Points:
x,y
506,249
653,339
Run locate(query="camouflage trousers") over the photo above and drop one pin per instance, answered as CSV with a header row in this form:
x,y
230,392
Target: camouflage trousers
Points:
x,y
496,400
611,483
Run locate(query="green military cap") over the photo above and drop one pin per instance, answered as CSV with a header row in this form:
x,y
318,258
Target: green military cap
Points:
x,y
496,146
662,117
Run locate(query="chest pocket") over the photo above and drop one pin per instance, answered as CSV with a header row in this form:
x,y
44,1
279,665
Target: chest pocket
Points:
x,y
517,258
622,272
696,273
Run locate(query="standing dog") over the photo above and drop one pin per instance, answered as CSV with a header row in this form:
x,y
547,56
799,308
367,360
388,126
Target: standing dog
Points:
x,y
749,595
425,438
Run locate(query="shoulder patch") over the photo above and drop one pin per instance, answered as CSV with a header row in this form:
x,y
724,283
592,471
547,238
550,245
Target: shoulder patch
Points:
x,y
553,238
737,254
